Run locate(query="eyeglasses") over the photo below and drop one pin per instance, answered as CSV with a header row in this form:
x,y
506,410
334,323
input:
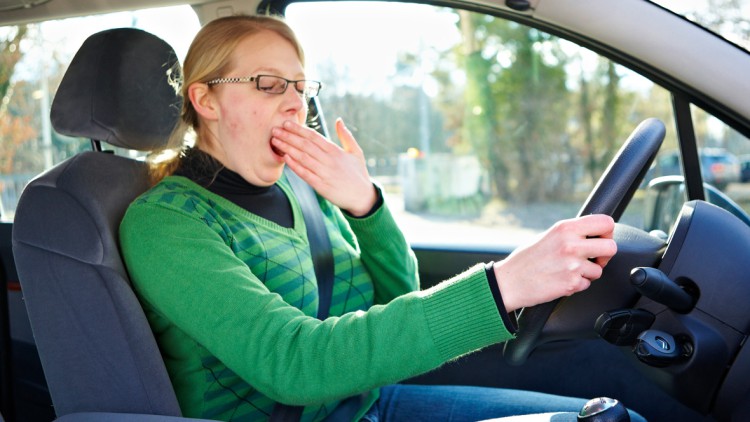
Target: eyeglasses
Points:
x,y
274,84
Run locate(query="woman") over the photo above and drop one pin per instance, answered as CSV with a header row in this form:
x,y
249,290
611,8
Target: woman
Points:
x,y
219,258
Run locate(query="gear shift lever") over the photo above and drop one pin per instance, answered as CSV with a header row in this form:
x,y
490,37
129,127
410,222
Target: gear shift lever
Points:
x,y
603,409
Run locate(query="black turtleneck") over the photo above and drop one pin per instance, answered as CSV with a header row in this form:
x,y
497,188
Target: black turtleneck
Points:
x,y
269,202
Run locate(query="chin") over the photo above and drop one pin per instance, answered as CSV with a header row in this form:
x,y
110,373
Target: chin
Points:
x,y
273,176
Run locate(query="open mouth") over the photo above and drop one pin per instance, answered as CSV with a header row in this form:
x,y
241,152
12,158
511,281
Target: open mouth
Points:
x,y
277,151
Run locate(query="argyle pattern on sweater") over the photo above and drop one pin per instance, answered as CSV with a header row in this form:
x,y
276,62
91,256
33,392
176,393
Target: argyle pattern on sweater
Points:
x,y
279,258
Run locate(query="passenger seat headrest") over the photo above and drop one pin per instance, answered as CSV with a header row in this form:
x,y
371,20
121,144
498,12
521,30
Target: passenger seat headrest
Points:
x,y
116,90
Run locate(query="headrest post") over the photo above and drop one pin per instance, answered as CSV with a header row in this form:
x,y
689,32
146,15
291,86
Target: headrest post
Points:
x,y
96,145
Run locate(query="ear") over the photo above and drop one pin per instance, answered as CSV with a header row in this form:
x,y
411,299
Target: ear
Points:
x,y
203,101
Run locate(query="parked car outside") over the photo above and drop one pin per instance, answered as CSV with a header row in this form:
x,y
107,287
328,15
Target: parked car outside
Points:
x,y
719,167
744,168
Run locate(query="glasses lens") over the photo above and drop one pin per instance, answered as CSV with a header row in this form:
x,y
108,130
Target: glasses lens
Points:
x,y
308,88
271,84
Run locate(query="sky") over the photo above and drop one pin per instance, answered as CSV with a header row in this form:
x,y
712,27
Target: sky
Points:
x,y
369,62
62,38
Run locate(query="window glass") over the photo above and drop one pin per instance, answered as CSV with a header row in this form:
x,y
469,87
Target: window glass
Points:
x,y
724,159
33,60
481,130
724,156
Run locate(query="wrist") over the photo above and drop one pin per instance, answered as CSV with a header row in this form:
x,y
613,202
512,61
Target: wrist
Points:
x,y
501,277
509,318
371,203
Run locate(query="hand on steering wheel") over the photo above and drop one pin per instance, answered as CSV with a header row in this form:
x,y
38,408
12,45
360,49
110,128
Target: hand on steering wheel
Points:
x,y
610,196
558,263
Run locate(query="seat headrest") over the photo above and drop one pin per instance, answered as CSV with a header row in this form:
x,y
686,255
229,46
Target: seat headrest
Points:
x,y
116,90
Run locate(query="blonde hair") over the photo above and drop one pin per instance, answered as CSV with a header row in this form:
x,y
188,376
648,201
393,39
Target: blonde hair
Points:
x,y
209,57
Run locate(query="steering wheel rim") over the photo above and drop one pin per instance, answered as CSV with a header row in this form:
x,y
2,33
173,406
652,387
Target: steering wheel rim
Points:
x,y
610,195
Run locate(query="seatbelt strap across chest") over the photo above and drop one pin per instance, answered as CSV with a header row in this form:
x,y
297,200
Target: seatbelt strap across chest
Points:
x,y
317,236
322,257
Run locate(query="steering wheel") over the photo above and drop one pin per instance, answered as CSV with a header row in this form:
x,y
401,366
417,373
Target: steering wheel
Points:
x,y
610,196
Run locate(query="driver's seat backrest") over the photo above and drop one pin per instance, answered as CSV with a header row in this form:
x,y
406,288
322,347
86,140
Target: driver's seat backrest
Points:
x,y
95,344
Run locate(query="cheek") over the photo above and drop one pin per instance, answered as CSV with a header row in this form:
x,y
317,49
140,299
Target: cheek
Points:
x,y
232,123
241,118
246,129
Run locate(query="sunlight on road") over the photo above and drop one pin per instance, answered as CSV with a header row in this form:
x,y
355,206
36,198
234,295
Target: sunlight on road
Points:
x,y
441,231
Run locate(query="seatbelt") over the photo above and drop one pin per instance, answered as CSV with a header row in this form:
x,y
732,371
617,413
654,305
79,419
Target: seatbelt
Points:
x,y
317,236
322,257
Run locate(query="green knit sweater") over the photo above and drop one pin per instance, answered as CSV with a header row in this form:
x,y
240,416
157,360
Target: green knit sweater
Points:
x,y
232,299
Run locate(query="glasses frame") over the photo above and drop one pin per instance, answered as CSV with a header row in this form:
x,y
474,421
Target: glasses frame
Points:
x,y
311,88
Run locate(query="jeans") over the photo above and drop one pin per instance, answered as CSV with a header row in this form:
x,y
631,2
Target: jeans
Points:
x,y
414,403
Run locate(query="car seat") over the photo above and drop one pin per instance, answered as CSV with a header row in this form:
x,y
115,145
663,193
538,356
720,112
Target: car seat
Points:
x,y
94,342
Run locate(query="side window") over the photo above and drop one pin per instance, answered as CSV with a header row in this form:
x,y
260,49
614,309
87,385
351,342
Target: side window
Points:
x,y
33,59
724,160
724,156
481,130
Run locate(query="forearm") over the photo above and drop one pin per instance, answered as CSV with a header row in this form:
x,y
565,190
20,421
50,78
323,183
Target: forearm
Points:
x,y
386,254
301,360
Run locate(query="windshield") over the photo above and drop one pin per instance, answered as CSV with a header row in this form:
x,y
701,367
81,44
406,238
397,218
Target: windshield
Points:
x,y
728,18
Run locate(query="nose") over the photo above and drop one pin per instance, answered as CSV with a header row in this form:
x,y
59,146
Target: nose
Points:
x,y
294,102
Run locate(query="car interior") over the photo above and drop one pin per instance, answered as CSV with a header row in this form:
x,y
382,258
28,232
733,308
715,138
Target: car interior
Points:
x,y
662,331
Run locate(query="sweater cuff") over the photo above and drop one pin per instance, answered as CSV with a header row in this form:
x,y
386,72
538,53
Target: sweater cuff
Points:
x,y
378,222
510,320
462,315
